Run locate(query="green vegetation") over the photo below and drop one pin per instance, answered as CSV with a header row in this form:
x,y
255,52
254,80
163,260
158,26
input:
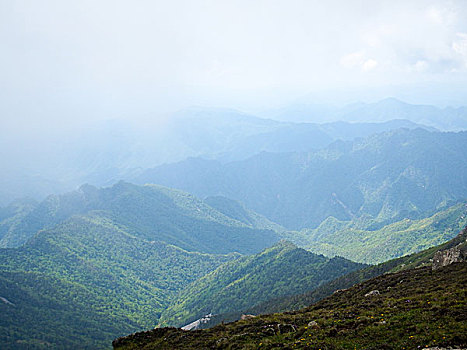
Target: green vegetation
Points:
x,y
10,218
282,270
88,266
150,212
356,240
415,308
90,278
420,259
98,263
386,177
236,210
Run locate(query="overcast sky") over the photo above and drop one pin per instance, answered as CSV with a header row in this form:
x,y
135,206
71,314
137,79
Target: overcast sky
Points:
x,y
79,60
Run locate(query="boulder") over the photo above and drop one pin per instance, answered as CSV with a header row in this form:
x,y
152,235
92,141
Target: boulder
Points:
x,y
372,293
448,256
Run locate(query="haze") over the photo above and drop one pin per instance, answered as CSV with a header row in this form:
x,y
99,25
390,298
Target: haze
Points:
x,y
68,66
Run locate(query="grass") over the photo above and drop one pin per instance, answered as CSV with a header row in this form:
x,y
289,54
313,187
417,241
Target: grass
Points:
x,y
416,308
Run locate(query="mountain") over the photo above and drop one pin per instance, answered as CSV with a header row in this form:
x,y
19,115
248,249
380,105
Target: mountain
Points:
x,y
281,270
453,119
11,216
366,241
446,119
423,258
92,278
108,151
387,177
312,295
150,212
237,211
416,308
99,263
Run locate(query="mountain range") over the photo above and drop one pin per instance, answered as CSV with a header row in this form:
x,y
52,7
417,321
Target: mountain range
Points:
x,y
266,216
281,270
99,263
105,152
389,176
398,307
446,119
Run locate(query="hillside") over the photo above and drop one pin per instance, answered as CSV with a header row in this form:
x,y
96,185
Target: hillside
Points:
x,y
148,212
412,309
387,177
90,277
365,241
281,270
421,259
99,263
298,301
236,210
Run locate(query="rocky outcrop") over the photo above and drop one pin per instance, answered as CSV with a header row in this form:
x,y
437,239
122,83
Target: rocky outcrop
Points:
x,y
372,293
246,317
449,256
6,301
198,323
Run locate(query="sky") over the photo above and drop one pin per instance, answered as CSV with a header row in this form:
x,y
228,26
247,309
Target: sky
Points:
x,y
68,62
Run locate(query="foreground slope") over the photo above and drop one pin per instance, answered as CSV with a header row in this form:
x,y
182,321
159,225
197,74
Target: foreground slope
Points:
x,y
421,259
412,309
281,270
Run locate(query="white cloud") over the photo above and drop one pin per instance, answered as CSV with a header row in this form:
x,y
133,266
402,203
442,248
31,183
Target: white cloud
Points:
x,y
441,15
369,65
352,59
460,47
358,60
114,56
421,66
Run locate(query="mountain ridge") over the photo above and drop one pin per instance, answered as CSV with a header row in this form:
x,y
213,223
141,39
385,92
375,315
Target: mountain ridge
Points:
x,y
393,175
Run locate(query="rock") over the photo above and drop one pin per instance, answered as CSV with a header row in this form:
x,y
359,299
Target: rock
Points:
x,y
313,324
221,340
247,317
6,301
372,293
269,331
286,328
339,291
448,256
198,323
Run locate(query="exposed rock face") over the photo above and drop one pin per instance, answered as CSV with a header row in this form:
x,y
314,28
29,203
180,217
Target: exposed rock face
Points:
x,y
197,324
247,317
372,293
6,301
449,256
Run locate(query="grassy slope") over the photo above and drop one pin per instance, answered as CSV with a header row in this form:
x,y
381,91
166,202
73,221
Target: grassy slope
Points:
x,y
420,259
416,308
281,270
